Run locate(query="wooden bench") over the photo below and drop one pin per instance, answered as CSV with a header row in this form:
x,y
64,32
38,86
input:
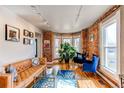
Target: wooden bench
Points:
x,y
26,74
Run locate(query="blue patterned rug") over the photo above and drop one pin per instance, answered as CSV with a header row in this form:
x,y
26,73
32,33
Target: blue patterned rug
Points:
x,y
66,74
64,79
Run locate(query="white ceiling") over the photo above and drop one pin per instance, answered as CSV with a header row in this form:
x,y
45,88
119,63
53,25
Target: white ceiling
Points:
x,y
60,18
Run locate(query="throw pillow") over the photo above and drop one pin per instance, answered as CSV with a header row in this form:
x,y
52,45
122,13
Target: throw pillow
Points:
x,y
35,62
12,70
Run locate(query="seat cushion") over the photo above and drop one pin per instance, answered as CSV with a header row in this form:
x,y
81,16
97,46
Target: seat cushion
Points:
x,y
21,66
24,75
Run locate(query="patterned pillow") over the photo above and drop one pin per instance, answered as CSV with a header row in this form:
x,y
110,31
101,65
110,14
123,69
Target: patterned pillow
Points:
x,y
35,62
12,70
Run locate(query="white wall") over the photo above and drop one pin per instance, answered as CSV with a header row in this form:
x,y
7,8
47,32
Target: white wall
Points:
x,y
14,51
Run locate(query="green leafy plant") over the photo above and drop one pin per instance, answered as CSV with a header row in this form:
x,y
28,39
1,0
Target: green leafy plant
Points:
x,y
66,52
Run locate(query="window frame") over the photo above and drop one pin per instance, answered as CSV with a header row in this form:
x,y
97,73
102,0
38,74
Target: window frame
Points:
x,y
108,21
105,46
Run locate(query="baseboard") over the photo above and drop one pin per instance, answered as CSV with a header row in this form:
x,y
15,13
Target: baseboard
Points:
x,y
108,81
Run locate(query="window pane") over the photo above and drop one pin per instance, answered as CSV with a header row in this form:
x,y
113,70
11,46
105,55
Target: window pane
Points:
x,y
77,43
56,53
67,40
110,35
57,42
110,46
57,45
110,58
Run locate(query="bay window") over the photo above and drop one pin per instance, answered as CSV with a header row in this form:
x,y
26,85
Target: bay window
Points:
x,y
72,39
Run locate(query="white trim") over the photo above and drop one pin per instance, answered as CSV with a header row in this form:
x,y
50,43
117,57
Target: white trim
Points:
x,y
108,81
117,18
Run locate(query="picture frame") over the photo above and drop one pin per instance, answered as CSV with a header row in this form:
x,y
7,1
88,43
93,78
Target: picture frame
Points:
x,y
26,41
46,44
31,34
26,33
91,37
12,33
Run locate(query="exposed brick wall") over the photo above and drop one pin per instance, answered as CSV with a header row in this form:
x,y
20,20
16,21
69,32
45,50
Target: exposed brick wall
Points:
x,y
48,35
92,46
84,39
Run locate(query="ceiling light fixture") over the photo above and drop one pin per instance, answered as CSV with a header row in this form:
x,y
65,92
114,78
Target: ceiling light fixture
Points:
x,y
77,16
35,9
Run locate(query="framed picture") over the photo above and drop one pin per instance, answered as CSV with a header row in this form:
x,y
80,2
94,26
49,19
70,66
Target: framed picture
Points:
x,y
31,34
26,41
12,33
26,33
47,44
91,37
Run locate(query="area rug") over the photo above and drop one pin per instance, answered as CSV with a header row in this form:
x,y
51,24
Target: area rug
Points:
x,y
66,83
64,79
66,74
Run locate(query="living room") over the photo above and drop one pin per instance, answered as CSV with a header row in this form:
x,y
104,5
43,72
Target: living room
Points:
x,y
32,33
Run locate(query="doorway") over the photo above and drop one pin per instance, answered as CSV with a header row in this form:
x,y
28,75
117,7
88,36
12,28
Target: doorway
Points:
x,y
38,46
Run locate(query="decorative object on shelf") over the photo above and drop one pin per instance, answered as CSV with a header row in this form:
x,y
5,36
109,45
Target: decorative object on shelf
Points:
x,y
26,33
46,44
12,33
26,41
91,37
31,34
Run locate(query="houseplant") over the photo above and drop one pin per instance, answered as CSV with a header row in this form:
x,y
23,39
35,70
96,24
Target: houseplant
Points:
x,y
66,52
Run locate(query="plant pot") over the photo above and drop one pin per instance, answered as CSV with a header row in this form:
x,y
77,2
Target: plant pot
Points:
x,y
67,60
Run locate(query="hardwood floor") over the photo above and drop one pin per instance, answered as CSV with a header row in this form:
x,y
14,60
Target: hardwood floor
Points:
x,y
85,79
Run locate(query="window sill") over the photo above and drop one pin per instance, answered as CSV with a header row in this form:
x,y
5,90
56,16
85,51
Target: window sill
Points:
x,y
108,72
113,77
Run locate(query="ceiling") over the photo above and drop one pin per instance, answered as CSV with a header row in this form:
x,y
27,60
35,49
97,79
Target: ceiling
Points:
x,y
60,18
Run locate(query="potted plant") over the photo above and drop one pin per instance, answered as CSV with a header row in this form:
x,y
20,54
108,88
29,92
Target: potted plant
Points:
x,y
66,52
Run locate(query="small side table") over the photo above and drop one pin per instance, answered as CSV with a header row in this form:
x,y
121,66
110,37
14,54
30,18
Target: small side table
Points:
x,y
6,80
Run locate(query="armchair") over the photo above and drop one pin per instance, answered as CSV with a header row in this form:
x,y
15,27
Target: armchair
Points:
x,y
79,58
91,66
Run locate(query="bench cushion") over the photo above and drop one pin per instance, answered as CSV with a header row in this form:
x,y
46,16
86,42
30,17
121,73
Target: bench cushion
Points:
x,y
27,74
23,65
